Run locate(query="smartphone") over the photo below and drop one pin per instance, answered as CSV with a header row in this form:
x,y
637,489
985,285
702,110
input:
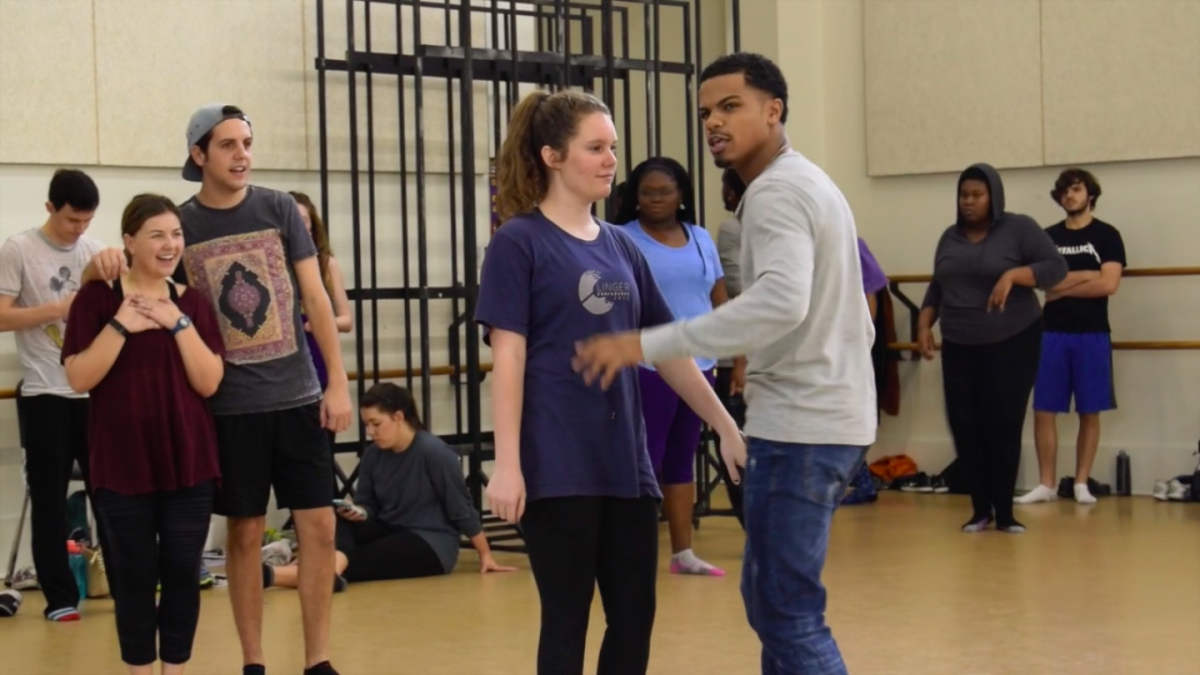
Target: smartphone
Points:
x,y
342,504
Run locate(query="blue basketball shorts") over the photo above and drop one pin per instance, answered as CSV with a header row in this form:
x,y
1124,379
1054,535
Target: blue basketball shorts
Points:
x,y
1078,364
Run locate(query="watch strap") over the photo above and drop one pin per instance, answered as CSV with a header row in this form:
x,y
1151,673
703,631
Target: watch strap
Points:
x,y
182,324
117,326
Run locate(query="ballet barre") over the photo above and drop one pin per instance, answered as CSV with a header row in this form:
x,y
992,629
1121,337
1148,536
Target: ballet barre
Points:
x,y
914,311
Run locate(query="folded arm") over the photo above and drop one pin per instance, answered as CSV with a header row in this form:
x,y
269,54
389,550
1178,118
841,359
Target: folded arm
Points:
x,y
1104,285
1076,278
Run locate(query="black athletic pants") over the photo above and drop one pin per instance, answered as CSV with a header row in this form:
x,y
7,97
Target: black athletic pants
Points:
x,y
376,552
55,434
575,543
736,405
987,391
156,538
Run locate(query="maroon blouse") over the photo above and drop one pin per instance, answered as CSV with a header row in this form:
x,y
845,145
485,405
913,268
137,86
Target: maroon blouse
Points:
x,y
148,430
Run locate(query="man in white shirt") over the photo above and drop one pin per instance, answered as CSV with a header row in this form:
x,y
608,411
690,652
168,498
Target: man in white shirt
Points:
x,y
40,272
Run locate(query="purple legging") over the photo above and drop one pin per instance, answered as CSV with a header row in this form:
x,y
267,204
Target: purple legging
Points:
x,y
672,429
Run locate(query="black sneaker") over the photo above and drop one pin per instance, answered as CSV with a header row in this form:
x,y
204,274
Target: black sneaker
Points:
x,y
918,483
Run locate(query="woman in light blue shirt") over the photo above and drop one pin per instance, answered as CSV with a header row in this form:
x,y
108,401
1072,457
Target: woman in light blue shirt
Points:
x,y
658,210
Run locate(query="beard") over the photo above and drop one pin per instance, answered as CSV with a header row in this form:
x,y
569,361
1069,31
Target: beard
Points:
x,y
722,163
1077,211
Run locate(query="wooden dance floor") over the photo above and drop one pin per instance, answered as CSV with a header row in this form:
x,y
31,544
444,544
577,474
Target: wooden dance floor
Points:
x,y
1112,589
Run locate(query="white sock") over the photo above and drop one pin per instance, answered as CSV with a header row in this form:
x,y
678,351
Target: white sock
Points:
x,y
1041,493
686,562
1082,495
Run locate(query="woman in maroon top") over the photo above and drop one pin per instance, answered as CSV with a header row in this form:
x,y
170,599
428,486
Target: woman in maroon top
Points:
x,y
150,353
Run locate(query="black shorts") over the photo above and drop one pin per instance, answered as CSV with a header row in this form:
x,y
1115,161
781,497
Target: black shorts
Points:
x,y
286,449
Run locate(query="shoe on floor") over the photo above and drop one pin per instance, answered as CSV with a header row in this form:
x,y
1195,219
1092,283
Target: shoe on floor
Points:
x,y
1162,491
63,614
977,524
918,483
206,577
1177,491
25,579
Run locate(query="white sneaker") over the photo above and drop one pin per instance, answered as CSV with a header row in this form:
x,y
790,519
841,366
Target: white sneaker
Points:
x,y
25,579
1178,492
1161,490
1041,493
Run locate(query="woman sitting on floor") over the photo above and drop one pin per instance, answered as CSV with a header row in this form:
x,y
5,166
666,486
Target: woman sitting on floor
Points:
x,y
410,507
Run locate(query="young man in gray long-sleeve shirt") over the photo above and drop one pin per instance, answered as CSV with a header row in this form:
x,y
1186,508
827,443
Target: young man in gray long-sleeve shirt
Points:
x,y
803,322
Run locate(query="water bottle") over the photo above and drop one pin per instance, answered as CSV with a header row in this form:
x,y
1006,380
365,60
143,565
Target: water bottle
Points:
x,y
1124,476
78,566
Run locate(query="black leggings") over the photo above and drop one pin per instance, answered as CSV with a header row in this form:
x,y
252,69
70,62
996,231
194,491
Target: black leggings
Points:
x,y
153,538
987,392
575,543
51,448
377,552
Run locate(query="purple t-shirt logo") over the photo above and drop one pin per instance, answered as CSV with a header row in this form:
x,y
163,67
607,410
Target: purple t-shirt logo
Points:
x,y
554,289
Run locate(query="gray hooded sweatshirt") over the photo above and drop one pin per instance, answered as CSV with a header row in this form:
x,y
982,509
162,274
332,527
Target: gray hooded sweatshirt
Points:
x,y
964,273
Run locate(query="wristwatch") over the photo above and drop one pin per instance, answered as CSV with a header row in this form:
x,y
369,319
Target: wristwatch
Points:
x,y
182,324
116,325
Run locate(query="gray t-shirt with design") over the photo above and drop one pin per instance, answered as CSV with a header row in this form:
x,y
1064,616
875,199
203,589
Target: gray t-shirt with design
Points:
x,y
36,271
243,260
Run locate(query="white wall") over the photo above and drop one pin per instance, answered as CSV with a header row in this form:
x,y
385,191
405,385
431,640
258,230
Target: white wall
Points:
x,y
1155,204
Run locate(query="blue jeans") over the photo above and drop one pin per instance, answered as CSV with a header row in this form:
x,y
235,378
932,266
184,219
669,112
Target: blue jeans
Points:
x,y
791,492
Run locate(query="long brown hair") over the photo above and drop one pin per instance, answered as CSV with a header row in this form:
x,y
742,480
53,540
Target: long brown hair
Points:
x,y
541,119
319,235
140,209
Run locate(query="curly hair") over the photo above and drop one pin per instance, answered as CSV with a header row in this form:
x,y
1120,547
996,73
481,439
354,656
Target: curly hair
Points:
x,y
629,197
1072,176
541,119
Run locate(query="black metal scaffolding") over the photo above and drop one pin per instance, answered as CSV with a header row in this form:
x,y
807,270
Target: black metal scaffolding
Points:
x,y
610,47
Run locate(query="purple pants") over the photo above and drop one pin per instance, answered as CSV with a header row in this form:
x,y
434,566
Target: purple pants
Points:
x,y
672,429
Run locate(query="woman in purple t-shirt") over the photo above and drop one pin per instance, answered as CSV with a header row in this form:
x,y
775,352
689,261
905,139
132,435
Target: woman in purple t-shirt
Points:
x,y
150,353
571,461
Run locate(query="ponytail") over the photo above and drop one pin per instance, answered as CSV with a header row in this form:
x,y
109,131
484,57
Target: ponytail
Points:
x,y
541,119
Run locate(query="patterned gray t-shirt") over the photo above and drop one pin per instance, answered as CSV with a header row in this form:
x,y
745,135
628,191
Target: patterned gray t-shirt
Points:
x,y
242,259
36,271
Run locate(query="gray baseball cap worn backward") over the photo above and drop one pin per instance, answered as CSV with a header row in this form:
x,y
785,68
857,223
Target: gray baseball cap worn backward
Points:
x,y
203,121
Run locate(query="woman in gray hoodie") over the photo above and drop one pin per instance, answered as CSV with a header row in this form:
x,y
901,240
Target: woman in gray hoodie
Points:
x,y
984,272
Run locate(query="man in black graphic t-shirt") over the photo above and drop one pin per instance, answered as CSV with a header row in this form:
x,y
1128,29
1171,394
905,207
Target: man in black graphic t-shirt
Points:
x,y
1076,347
